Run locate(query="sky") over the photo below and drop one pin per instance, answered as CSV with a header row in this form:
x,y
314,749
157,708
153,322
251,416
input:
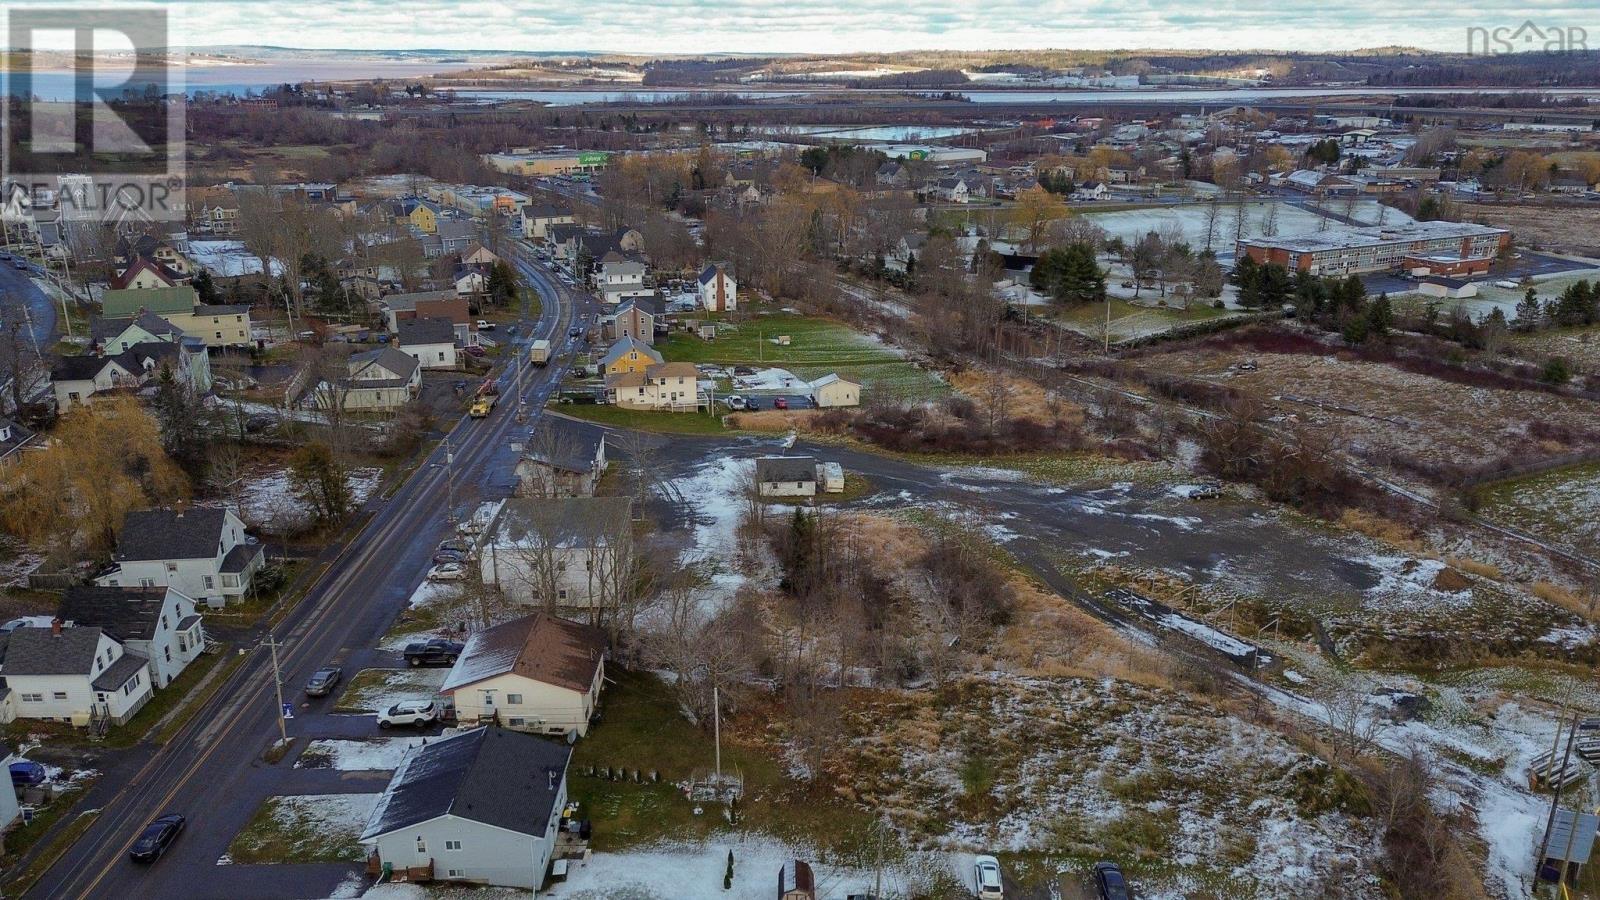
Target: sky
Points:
x,y
774,26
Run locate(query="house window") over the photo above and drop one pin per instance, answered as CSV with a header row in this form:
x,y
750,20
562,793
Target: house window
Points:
x,y
145,582
516,722
229,581
210,582
561,594
100,696
455,873
514,699
452,845
172,568
183,645
422,845
168,651
32,698
163,621
59,695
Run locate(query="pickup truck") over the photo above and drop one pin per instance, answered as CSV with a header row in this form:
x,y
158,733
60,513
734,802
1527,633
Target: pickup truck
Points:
x,y
432,652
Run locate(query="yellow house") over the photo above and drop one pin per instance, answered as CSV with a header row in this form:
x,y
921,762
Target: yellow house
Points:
x,y
629,355
223,325
426,217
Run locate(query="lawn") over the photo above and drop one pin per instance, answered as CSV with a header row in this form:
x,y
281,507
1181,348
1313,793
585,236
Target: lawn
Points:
x,y
816,347
642,728
1563,505
1134,321
373,689
644,420
304,829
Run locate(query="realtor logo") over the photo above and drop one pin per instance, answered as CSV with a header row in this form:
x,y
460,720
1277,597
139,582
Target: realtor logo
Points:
x,y
1529,37
89,91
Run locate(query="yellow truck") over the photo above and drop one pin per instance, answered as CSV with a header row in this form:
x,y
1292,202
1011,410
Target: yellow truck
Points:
x,y
483,403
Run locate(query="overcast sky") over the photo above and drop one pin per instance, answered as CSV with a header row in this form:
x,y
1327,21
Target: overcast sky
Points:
x,y
770,26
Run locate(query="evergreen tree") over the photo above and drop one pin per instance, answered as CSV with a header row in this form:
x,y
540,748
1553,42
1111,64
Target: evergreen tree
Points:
x,y
1273,286
1529,314
206,288
1380,316
727,877
1247,277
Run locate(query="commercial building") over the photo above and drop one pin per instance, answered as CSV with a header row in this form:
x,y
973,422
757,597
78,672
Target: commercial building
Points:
x,y
1456,247
548,162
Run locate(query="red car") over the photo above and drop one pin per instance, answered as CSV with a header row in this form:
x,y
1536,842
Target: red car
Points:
x,y
781,403
473,350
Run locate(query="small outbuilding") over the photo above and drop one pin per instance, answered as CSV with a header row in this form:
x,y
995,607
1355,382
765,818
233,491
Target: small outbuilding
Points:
x,y
786,476
831,390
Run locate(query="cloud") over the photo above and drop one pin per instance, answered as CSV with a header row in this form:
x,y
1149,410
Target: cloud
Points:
x,y
768,26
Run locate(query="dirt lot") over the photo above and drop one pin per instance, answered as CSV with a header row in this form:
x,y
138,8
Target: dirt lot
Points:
x,y
1377,410
1564,229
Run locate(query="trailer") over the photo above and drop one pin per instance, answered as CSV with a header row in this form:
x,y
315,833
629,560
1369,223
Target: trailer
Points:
x,y
539,353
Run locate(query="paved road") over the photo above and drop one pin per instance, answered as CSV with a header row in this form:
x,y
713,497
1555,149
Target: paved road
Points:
x,y
21,299
212,771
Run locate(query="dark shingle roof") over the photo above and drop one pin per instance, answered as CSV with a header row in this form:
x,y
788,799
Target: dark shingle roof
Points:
x,y
575,522
36,651
170,534
786,468
104,329
120,671
127,614
426,331
565,444
541,647
240,557
502,778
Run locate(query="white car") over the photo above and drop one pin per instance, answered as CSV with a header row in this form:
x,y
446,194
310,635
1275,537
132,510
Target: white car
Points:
x,y
737,402
408,712
485,325
447,572
986,878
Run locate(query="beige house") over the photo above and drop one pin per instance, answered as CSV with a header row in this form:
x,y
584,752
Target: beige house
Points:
x,y
670,386
539,674
221,325
831,390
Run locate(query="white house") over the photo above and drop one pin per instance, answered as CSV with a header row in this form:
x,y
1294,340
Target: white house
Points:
x,y
539,673
621,278
431,342
80,675
1090,190
564,458
562,553
203,552
159,624
384,378
537,219
786,476
480,807
672,387
719,290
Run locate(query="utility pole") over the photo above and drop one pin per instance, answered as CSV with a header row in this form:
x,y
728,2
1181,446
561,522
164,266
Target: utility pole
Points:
x,y
277,682
1555,799
450,479
716,729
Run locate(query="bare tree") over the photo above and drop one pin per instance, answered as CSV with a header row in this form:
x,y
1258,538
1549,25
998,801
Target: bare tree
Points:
x,y
1353,718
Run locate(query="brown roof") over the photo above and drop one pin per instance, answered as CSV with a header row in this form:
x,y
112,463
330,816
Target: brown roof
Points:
x,y
673,370
539,647
456,311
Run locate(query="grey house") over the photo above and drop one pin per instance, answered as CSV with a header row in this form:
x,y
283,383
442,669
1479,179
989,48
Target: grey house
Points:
x,y
563,459
481,807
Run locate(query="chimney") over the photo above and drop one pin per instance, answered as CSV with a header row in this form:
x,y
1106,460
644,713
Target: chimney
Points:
x,y
55,626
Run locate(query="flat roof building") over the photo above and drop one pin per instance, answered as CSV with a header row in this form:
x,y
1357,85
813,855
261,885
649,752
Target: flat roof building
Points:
x,y
1378,248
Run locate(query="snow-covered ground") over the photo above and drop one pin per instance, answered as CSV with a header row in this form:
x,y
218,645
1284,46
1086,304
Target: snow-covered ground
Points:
x,y
393,686
267,497
375,754
228,259
772,380
1133,224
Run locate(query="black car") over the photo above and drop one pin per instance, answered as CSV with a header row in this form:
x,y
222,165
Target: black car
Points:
x,y
449,556
433,652
574,332
156,838
454,546
323,680
1109,883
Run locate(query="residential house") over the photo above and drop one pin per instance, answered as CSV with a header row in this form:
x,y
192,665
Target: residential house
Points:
x,y
398,307
637,318
143,274
570,552
537,219
621,278
831,390
80,675
786,476
905,252
563,459
893,174
540,674
952,190
456,235
113,336
14,439
479,257
220,325
159,624
629,354
471,284
431,342
1090,190
423,215
381,379
76,379
164,302
673,387
719,290
480,807
202,551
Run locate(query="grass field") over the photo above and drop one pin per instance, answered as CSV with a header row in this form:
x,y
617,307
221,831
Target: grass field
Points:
x,y
642,728
1129,321
1563,505
374,689
304,829
816,347
644,420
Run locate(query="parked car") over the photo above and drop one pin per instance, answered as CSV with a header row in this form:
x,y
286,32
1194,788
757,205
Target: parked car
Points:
x,y
474,351
26,772
736,402
450,571
1205,489
743,371
432,652
1109,883
20,264
781,403
409,712
485,325
259,422
156,838
986,878
449,556
574,332
455,545
323,680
